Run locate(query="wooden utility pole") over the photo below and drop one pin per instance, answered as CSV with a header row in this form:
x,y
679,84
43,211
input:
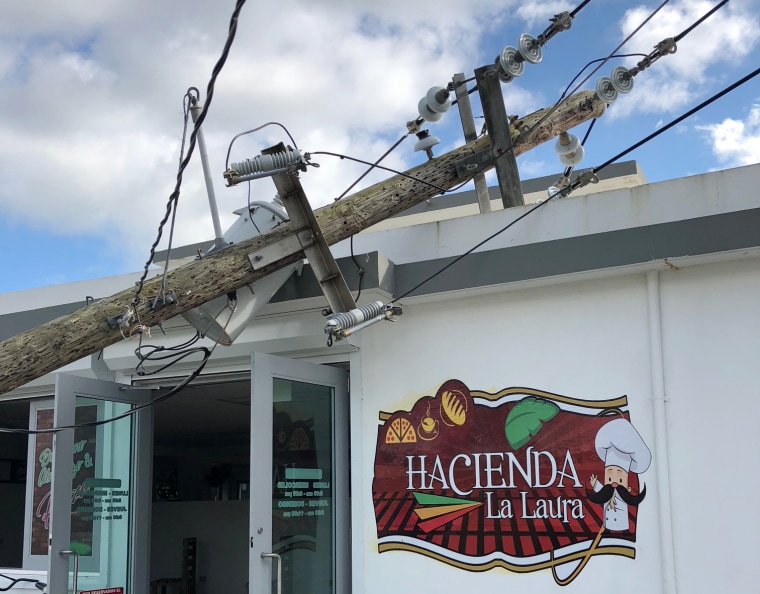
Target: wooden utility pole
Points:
x,y
52,345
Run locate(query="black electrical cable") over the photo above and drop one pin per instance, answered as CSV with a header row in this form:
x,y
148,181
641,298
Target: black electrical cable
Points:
x,y
579,7
472,249
595,70
679,119
174,197
572,185
469,92
128,413
191,95
372,166
401,173
250,214
359,271
689,29
146,353
621,44
678,37
174,352
15,581
564,93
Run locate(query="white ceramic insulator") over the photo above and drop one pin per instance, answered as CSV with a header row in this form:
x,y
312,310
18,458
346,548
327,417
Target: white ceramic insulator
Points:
x,y
621,79
605,90
572,144
433,103
570,159
509,63
426,113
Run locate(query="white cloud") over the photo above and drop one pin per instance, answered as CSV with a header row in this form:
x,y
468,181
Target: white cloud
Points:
x,y
539,13
736,142
92,99
533,168
673,81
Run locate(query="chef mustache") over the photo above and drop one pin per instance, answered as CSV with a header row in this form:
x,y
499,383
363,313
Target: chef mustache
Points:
x,y
606,492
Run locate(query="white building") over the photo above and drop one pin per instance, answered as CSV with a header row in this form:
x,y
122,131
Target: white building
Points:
x,y
461,458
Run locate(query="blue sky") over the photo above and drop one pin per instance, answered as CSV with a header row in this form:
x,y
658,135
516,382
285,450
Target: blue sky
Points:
x,y
92,104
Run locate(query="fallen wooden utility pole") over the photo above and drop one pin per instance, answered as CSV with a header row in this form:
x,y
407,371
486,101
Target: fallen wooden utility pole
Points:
x,y
52,345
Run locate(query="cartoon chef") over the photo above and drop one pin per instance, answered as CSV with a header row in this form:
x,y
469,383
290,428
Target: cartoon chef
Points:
x,y
623,450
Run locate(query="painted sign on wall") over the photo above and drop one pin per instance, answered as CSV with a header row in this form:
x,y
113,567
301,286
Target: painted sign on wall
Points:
x,y
521,479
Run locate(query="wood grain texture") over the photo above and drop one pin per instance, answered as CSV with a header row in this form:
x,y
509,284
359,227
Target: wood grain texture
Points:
x,y
52,345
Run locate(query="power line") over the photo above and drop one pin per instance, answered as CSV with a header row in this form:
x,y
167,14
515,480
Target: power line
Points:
x,y
401,173
576,183
174,197
564,93
689,29
595,70
679,119
154,353
578,8
372,166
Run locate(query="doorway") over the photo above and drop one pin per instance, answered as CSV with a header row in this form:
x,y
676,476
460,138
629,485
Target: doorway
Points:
x,y
207,485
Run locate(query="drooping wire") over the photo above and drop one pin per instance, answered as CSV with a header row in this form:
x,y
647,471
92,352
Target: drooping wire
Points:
x,y
186,101
678,37
373,165
359,271
174,352
234,138
573,184
174,197
250,214
123,415
401,173
147,353
15,581
470,91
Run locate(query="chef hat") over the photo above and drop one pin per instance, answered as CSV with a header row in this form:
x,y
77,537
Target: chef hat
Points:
x,y
619,444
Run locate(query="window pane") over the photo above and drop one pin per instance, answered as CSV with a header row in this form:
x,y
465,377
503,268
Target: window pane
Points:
x,y
303,522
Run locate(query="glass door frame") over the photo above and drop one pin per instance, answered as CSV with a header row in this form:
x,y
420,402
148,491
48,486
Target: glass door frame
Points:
x,y
265,368
67,388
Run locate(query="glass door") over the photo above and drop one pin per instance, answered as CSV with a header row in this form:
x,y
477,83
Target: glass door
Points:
x,y
299,523
98,487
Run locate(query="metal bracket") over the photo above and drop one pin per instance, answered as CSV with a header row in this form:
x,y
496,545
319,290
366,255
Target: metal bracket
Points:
x,y
497,123
100,369
122,320
159,302
470,134
287,246
475,163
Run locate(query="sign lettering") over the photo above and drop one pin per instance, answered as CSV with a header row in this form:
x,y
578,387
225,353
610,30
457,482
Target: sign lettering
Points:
x,y
521,479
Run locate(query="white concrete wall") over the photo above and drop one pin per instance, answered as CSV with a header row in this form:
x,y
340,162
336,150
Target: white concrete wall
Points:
x,y
590,340
711,334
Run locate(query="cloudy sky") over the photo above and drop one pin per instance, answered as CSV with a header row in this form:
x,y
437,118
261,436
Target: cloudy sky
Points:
x,y
92,103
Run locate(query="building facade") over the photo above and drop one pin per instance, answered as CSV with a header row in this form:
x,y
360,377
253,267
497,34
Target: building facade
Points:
x,y
549,414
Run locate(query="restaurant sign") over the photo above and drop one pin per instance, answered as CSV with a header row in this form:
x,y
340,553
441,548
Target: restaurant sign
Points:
x,y
521,479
